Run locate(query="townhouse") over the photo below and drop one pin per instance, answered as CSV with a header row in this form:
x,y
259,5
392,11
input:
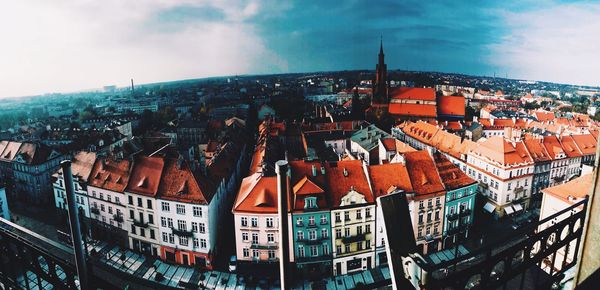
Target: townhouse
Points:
x,y
586,143
8,152
106,195
81,168
505,172
541,169
459,204
364,144
311,218
574,156
560,162
256,220
186,235
141,190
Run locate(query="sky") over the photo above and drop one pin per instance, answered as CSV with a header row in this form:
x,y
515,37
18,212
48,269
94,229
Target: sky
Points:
x,y
65,46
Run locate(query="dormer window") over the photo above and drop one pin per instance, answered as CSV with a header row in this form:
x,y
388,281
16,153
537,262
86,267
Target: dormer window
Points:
x,y
310,202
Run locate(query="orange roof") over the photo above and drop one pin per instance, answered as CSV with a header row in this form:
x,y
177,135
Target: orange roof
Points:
x,y
412,109
145,175
553,146
257,194
569,147
586,143
537,150
423,173
178,183
543,116
406,93
451,105
451,175
344,176
594,133
82,164
389,144
305,181
110,174
506,153
385,178
577,189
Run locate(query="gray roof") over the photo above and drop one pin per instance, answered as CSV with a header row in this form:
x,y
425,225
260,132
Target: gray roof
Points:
x,y
369,136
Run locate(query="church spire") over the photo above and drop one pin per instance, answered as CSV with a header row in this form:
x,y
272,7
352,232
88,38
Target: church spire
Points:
x,y
381,46
380,83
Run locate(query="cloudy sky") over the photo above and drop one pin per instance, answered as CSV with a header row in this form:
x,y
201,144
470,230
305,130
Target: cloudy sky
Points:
x,y
62,46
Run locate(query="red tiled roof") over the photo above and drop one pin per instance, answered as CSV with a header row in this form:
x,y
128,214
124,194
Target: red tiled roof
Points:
x,y
387,177
389,144
145,175
586,143
110,174
257,194
451,105
544,116
577,189
569,147
340,184
304,181
82,164
178,183
412,109
537,150
423,173
451,175
503,152
406,93
553,146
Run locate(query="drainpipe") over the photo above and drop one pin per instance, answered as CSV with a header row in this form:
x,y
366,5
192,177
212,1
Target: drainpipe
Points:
x,y
80,259
281,168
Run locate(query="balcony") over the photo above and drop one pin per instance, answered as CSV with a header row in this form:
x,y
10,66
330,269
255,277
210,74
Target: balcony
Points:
x,y
140,224
465,212
312,241
182,233
519,189
483,185
260,246
452,216
313,259
95,210
354,239
118,218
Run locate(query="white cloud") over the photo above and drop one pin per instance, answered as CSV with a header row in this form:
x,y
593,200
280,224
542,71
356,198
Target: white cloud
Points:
x,y
50,46
559,44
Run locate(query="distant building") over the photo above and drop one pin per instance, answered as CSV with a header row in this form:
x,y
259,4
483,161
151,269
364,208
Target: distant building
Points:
x,y
364,144
265,111
81,167
419,104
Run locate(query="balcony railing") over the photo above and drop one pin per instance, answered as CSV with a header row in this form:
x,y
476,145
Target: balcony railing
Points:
x,y
140,224
519,189
465,212
452,216
95,210
354,238
260,246
182,233
118,218
313,259
312,241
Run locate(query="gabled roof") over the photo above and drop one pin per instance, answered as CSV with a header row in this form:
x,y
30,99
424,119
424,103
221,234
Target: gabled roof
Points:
x,y
34,154
306,187
82,164
451,105
553,146
423,173
586,143
572,191
368,137
406,93
544,116
10,151
145,175
110,174
570,147
386,178
536,149
178,183
308,182
257,194
503,152
344,176
451,175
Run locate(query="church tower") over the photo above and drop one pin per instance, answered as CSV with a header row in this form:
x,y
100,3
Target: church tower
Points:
x,y
380,83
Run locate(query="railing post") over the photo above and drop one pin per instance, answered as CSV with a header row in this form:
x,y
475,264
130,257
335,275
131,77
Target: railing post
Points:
x,y
80,258
281,168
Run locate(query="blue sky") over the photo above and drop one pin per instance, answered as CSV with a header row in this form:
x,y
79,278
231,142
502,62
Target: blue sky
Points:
x,y
72,45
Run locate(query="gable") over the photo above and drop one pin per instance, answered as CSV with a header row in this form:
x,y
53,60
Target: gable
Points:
x,y
353,197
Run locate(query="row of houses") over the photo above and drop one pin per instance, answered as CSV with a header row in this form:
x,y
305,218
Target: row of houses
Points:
x,y
510,171
334,224
157,205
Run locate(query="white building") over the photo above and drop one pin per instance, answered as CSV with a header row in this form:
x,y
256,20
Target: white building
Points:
x,y
4,213
81,167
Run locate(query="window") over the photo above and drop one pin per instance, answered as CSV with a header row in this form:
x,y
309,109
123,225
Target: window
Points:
x,y
368,212
337,217
183,241
195,242
311,220
108,197
131,215
359,246
429,216
310,202
245,252
420,218
244,221
254,238
254,222
245,237
110,210
163,222
325,249
324,233
149,203
170,222
165,237
367,229
346,215
368,244
347,249
152,234
203,243
312,235
300,251
314,251
269,222
338,249
346,232
181,225
197,211
117,200
358,214
171,239
102,207
271,254
202,228
165,206
180,209
194,227
270,238
150,218
299,221
323,219
139,202
359,230
338,233
133,229
255,254
300,235
101,195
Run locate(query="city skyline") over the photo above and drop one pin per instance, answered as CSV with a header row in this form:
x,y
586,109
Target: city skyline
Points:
x,y
69,47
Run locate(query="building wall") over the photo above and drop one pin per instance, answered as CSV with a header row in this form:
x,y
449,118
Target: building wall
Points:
x,y
81,198
312,239
427,217
4,213
458,213
141,223
33,182
262,242
106,205
353,238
